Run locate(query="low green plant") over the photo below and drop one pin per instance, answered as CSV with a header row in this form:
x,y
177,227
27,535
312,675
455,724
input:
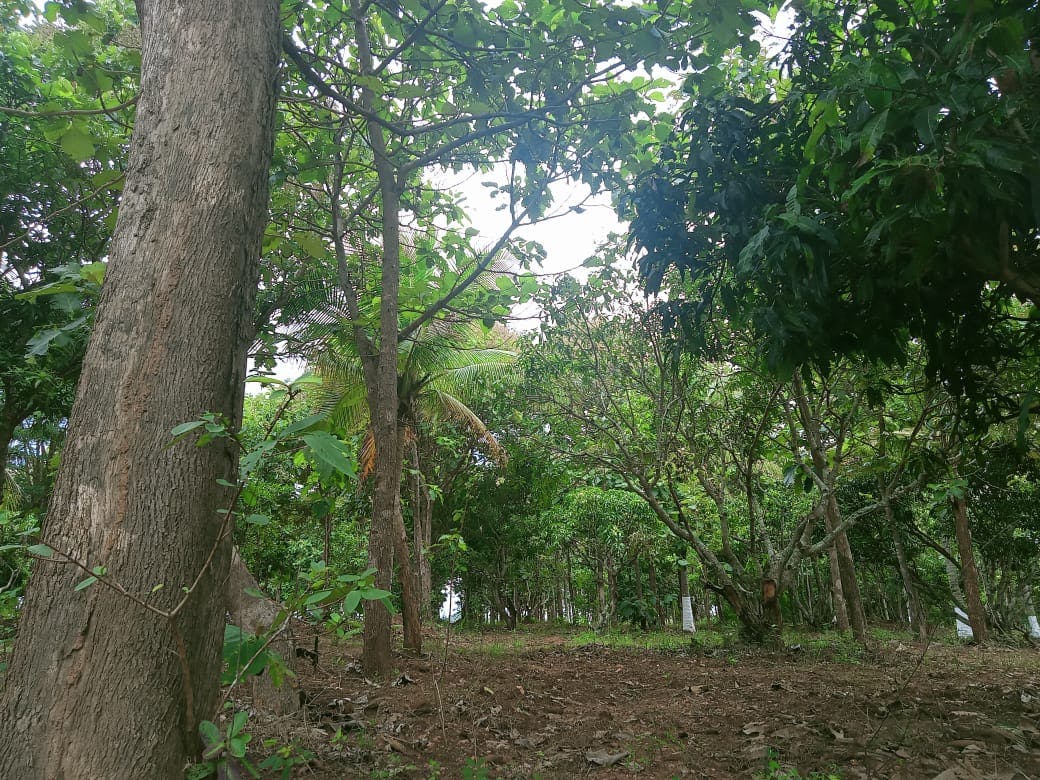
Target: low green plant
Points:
x,y
284,758
775,770
475,769
223,749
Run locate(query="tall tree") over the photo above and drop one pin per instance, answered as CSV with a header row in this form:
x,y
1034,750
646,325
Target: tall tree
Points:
x,y
543,89
91,666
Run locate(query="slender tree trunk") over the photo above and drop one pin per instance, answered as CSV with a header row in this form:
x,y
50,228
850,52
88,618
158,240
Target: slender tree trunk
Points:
x,y
841,614
409,601
256,615
421,537
1032,624
655,593
918,624
382,396
601,593
969,573
612,597
685,603
637,571
846,571
326,552
558,598
570,588
99,687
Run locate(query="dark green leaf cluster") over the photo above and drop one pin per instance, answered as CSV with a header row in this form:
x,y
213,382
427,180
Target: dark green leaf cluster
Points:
x,y
877,181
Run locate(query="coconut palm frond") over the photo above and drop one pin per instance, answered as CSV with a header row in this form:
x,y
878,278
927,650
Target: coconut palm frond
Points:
x,y
433,347
485,365
342,391
316,317
452,408
367,450
367,455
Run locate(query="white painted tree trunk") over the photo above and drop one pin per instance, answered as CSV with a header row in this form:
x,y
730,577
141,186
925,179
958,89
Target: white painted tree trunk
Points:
x,y
687,615
1034,627
963,629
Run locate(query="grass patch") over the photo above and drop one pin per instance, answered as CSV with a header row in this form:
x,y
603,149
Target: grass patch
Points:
x,y
652,640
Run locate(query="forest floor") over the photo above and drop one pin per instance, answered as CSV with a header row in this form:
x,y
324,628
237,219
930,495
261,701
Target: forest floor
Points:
x,y
558,704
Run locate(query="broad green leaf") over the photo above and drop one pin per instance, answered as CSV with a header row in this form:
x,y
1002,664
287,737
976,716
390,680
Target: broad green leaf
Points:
x,y
331,453
77,144
186,427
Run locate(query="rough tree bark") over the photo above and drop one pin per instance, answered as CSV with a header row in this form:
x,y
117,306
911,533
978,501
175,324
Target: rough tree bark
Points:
x,y
98,687
969,573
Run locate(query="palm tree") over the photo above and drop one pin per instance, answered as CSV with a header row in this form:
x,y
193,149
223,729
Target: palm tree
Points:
x,y
441,368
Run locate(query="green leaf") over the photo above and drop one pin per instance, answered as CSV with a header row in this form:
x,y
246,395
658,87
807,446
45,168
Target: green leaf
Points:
x,y
40,550
77,145
316,598
330,452
266,380
302,425
350,603
307,379
256,519
237,745
86,583
40,344
374,594
312,245
238,721
183,428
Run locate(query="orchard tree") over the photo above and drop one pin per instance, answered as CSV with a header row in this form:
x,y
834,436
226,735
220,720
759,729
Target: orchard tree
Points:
x,y
870,183
544,90
141,644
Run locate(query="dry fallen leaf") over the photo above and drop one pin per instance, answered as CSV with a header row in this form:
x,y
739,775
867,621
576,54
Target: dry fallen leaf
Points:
x,y
397,746
603,758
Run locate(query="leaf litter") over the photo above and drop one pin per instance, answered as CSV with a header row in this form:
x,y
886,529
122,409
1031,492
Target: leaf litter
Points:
x,y
550,710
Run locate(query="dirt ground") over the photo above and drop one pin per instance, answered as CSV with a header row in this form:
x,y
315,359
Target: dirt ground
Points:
x,y
537,704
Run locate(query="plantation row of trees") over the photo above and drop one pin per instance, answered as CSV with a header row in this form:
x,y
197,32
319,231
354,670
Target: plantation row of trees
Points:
x,y
823,413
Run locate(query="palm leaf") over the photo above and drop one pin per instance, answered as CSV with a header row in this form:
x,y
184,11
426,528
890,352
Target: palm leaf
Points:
x,y
454,409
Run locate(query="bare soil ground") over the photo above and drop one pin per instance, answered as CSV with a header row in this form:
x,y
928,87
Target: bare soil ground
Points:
x,y
539,704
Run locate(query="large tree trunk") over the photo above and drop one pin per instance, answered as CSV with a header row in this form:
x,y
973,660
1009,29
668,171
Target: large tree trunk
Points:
x,y
969,574
99,687
256,615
